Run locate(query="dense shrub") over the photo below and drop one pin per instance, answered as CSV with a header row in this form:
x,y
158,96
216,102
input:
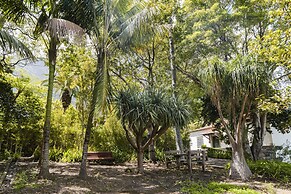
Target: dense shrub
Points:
x,y
215,188
21,113
274,170
55,154
111,137
72,155
218,153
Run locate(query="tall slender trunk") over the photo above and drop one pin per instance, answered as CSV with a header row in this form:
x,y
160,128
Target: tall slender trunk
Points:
x,y
44,166
260,121
179,142
239,168
82,111
83,167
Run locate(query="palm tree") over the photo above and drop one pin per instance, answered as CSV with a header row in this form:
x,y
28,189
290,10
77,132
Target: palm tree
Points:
x,y
233,87
141,112
56,28
110,24
50,22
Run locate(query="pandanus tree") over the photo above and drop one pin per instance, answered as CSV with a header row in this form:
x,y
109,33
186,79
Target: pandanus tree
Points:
x,y
150,110
233,87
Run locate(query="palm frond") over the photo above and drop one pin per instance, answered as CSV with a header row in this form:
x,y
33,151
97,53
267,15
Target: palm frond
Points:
x,y
13,10
138,23
10,44
103,87
61,28
82,12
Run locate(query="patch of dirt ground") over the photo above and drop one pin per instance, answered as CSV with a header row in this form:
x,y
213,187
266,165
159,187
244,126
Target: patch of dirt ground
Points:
x,y
108,179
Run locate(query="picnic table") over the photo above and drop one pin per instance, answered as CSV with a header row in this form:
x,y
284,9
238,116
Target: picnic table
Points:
x,y
186,158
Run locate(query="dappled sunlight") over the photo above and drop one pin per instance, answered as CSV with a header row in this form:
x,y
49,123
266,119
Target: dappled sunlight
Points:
x,y
74,190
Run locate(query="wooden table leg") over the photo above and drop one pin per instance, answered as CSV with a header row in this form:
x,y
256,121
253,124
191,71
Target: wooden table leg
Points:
x,y
203,160
189,162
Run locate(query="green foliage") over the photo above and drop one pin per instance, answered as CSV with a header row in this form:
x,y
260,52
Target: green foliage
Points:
x,y
274,170
141,112
21,110
72,155
55,154
111,137
66,134
218,153
66,155
216,188
23,180
66,129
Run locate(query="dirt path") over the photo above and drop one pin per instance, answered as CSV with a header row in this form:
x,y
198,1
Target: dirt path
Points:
x,y
106,179
109,179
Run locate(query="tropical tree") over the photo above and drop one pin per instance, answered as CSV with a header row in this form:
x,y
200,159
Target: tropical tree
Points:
x,y
110,24
21,111
141,112
50,22
233,87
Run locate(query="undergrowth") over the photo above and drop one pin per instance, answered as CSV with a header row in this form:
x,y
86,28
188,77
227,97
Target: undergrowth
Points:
x,y
216,188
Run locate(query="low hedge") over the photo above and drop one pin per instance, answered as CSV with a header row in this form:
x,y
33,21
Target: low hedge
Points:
x,y
271,169
218,153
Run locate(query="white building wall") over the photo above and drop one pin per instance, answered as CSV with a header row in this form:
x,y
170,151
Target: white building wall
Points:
x,y
224,145
197,141
268,140
279,138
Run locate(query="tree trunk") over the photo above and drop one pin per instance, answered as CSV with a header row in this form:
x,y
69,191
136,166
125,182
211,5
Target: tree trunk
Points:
x,y
239,168
152,152
179,142
44,167
83,167
259,134
246,144
140,161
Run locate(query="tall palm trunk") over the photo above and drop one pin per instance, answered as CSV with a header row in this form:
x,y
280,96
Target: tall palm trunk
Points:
x,y
44,166
179,142
100,64
83,168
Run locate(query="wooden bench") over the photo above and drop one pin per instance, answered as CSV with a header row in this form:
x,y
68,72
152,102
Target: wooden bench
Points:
x,y
101,157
